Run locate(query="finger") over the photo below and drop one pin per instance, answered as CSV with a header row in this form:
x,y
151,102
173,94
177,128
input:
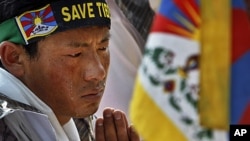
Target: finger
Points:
x,y
124,117
109,125
121,126
134,136
99,130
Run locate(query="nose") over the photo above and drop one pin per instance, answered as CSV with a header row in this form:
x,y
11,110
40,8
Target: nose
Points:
x,y
95,70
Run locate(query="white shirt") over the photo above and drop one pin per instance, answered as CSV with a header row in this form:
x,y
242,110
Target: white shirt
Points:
x,y
16,90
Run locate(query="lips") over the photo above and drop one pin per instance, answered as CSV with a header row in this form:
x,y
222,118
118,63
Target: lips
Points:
x,y
94,95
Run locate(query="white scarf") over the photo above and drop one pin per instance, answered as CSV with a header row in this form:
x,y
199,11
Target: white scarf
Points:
x,y
16,90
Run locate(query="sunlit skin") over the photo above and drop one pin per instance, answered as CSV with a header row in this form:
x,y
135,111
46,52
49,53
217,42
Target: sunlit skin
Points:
x,y
69,71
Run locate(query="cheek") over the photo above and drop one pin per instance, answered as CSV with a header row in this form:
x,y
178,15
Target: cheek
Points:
x,y
63,89
106,60
53,82
59,77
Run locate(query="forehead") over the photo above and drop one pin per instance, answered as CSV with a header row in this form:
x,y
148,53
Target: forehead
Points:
x,y
84,36
83,32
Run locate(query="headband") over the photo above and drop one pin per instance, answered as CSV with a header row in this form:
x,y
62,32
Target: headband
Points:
x,y
54,17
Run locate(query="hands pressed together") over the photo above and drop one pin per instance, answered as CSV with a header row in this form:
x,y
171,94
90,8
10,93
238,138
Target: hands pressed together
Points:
x,y
114,127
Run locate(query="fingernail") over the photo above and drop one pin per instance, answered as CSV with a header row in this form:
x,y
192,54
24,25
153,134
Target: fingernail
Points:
x,y
117,115
99,123
107,113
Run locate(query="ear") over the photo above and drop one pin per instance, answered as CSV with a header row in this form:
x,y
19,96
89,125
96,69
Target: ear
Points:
x,y
12,58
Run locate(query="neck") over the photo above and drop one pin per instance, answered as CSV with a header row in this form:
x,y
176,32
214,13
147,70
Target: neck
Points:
x,y
63,119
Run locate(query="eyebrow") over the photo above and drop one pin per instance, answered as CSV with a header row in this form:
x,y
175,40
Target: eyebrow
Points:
x,y
83,44
106,38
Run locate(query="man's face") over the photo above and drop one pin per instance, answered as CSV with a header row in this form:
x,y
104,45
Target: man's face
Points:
x,y
70,71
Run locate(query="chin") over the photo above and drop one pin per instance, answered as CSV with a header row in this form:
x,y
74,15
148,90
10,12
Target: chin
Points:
x,y
93,110
86,112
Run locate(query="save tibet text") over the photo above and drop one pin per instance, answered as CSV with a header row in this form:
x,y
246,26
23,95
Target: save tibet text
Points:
x,y
85,10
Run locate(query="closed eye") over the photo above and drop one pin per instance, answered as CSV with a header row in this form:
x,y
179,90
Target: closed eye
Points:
x,y
75,55
103,48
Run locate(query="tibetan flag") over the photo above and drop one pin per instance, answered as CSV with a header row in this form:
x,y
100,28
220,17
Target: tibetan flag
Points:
x,y
240,68
164,105
225,79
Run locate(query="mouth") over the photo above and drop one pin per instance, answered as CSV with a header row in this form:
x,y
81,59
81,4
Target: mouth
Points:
x,y
94,93
92,96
